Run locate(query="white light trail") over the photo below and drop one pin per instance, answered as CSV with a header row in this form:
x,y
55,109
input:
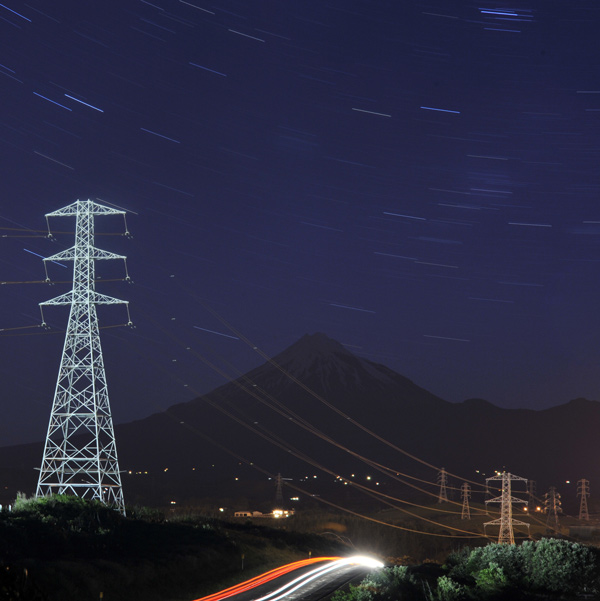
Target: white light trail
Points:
x,y
446,338
159,135
54,160
405,216
529,224
15,13
217,333
372,112
301,581
85,103
351,308
245,35
53,102
207,69
42,257
431,108
210,12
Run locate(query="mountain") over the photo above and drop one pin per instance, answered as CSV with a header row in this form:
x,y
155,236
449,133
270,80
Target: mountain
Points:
x,y
317,404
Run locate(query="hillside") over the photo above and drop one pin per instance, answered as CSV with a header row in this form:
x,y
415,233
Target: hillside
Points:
x,y
68,549
317,405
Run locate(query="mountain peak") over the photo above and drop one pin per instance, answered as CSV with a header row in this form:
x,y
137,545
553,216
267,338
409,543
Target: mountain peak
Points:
x,y
312,345
321,357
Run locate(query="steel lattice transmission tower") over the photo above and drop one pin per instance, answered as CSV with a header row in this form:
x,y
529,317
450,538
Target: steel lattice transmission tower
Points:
x,y
531,491
553,507
465,493
583,490
80,454
506,500
442,480
278,493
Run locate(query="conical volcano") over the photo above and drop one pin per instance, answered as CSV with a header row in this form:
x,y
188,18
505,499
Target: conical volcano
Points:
x,y
318,409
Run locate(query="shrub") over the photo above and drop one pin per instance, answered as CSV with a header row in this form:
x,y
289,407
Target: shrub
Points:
x,y
546,566
491,580
508,558
449,590
560,566
388,584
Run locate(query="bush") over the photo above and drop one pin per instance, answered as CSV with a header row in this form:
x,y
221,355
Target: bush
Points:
x,y
546,566
491,580
560,566
71,513
449,590
508,558
388,584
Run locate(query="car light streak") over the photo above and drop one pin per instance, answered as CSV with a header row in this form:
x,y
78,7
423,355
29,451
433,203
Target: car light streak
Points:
x,y
263,578
303,580
334,563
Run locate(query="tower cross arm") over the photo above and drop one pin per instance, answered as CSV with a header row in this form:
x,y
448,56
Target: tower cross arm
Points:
x,y
498,522
509,476
95,253
103,299
510,499
63,299
92,207
94,297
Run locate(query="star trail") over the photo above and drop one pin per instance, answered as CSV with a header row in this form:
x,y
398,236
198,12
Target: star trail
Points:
x,y
418,180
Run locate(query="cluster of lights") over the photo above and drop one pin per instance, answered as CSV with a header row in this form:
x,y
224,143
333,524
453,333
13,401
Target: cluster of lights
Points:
x,y
346,482
166,469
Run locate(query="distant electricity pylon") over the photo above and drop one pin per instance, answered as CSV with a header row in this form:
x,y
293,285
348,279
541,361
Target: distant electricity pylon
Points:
x,y
80,454
553,508
279,493
531,490
506,500
442,480
465,493
583,490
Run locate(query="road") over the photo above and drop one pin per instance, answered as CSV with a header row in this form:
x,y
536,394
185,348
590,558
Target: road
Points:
x,y
306,580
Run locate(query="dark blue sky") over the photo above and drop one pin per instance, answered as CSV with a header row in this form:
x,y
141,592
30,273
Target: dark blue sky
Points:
x,y
418,180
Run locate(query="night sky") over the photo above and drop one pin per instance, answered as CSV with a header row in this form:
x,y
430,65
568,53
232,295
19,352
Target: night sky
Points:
x,y
418,180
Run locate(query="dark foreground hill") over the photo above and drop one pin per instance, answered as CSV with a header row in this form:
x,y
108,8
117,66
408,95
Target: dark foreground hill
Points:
x,y
67,549
316,409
